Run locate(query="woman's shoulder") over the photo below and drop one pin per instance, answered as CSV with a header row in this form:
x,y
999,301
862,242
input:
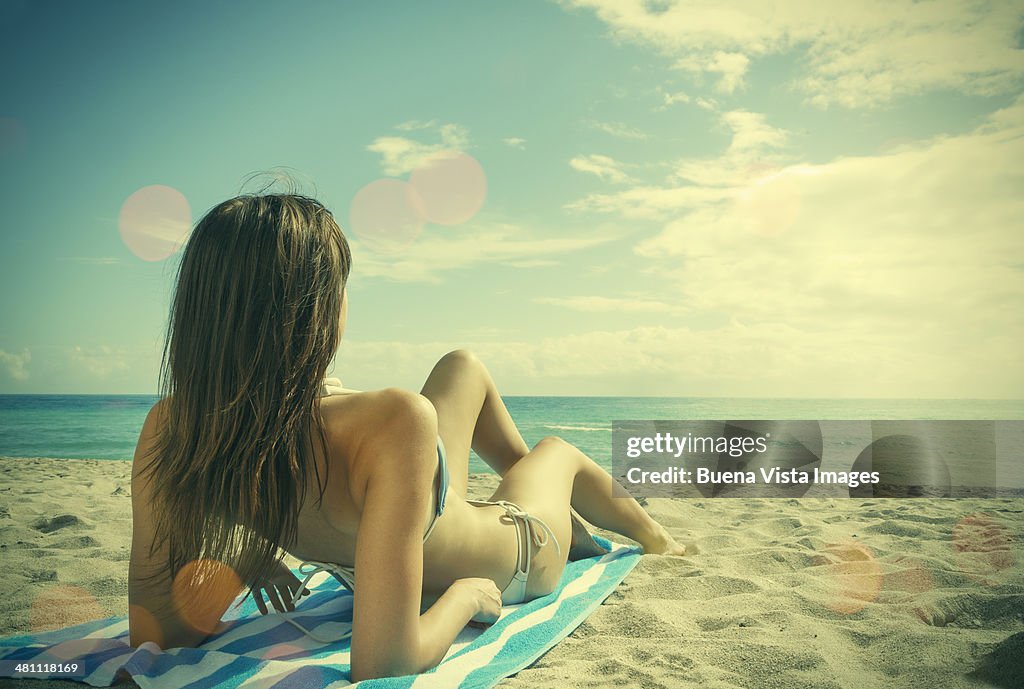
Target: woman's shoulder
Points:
x,y
367,433
155,420
360,419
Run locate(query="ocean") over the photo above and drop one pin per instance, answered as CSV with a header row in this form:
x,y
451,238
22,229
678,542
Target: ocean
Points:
x,y
107,426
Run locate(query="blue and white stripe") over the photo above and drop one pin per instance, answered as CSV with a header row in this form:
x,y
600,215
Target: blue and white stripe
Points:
x,y
264,652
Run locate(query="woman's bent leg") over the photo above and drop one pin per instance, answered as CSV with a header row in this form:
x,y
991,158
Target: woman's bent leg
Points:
x,y
471,414
556,474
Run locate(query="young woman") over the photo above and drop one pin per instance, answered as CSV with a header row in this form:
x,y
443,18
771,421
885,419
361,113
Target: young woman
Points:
x,y
242,459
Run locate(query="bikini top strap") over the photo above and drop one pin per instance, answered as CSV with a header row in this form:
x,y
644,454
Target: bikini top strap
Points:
x,y
310,568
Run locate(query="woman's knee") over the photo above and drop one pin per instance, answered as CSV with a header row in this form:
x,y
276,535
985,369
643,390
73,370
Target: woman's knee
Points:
x,y
461,357
553,441
461,366
559,452
466,365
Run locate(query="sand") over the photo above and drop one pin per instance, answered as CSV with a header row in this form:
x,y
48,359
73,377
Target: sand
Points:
x,y
777,593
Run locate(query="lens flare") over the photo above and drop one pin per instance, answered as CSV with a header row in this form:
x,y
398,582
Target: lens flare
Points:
x,y
386,215
855,577
912,576
63,605
155,222
144,625
451,187
203,590
982,548
74,649
281,651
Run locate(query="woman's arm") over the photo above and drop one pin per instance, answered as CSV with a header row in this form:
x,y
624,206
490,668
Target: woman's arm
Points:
x,y
171,616
389,636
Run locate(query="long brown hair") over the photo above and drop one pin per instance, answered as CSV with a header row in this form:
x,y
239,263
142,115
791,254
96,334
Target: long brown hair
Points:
x,y
254,326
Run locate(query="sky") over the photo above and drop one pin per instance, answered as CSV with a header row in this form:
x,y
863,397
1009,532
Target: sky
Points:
x,y
598,197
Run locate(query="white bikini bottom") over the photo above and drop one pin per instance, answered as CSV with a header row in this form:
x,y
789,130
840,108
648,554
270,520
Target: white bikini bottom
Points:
x,y
515,592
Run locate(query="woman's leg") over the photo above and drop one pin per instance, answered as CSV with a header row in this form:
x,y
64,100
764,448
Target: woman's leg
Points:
x,y
555,475
471,414
577,480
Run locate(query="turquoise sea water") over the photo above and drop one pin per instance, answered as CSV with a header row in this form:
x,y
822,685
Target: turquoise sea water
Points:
x,y
107,426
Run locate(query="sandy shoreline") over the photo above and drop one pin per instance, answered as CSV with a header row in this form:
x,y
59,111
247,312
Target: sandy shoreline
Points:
x,y
780,593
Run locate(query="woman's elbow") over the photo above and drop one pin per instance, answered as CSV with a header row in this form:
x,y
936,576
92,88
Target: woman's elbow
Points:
x,y
143,627
359,672
397,667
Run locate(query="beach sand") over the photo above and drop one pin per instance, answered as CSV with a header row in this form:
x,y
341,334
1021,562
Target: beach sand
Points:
x,y
776,593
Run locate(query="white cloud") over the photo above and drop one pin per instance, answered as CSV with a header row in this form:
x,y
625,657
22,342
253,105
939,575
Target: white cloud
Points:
x,y
707,103
708,180
750,131
604,167
400,155
736,359
889,274
859,54
100,361
649,202
16,364
752,145
515,142
414,125
436,252
731,66
670,99
619,130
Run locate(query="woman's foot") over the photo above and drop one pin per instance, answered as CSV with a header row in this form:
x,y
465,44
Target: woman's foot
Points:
x,y
661,543
582,545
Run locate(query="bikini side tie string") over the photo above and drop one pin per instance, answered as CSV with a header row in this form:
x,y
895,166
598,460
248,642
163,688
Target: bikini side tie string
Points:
x,y
539,536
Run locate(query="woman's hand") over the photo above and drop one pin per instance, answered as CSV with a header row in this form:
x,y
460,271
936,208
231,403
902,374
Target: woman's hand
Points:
x,y
279,588
484,595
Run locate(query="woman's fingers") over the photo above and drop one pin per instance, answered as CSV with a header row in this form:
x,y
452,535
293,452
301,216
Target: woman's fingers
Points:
x,y
286,597
280,596
260,603
294,588
279,590
275,599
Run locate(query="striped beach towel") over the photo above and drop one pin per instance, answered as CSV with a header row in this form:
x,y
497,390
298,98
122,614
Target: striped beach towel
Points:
x,y
265,652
